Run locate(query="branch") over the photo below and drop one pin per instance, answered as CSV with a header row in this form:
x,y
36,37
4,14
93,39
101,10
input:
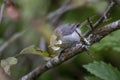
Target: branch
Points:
x,y
2,10
68,54
9,41
55,16
102,18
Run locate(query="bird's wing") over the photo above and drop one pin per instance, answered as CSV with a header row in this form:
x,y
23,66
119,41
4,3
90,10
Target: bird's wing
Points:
x,y
66,29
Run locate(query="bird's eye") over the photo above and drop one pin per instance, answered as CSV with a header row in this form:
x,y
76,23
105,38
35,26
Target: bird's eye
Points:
x,y
78,24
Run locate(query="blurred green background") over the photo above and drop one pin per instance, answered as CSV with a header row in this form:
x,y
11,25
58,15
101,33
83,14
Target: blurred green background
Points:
x,y
32,15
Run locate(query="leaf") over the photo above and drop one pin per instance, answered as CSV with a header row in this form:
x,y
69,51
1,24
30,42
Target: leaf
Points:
x,y
91,78
7,63
34,50
103,70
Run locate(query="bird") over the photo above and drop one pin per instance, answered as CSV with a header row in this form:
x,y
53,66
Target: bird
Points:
x,y
66,36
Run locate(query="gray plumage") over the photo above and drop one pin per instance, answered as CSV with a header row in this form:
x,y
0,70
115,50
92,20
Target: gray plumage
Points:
x,y
65,36
66,29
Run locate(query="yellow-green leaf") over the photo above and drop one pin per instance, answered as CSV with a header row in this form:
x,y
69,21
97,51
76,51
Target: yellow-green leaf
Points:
x,y
7,63
34,50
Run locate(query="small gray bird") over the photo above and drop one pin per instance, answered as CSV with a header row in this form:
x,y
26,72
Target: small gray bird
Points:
x,y
65,36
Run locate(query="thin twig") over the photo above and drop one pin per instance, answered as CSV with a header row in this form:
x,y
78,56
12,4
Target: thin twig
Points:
x,y
2,9
101,19
59,11
99,34
9,41
55,16
90,24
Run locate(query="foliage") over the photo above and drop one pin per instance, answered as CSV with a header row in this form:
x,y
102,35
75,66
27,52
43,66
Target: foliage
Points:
x,y
7,63
103,70
91,78
36,51
33,19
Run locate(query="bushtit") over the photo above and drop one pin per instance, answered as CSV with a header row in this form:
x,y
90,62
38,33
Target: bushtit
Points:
x,y
66,36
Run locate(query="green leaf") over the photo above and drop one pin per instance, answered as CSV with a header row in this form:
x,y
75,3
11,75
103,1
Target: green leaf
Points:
x,y
103,70
7,63
91,78
34,50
